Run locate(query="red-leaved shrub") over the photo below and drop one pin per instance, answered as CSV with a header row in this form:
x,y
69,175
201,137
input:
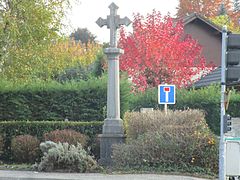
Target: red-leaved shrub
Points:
x,y
67,135
25,148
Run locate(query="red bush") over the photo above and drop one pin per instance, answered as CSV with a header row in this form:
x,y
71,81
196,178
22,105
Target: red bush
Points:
x,y
67,135
25,148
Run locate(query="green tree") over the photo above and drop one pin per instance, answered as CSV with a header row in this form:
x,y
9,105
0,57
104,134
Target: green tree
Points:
x,y
83,35
27,30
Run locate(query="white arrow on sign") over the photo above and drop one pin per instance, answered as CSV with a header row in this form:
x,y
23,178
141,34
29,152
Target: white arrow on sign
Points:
x,y
166,90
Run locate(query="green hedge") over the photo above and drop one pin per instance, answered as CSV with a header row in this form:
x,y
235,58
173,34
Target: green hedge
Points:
x,y
234,106
84,100
10,129
207,99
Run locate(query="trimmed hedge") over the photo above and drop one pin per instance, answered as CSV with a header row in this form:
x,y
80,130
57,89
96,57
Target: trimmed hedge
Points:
x,y
11,129
234,105
1,145
84,100
207,99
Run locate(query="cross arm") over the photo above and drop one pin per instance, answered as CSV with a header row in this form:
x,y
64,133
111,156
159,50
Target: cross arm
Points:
x,y
124,21
101,22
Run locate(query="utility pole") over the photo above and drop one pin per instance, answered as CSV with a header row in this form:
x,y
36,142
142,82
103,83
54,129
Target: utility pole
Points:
x,y
222,146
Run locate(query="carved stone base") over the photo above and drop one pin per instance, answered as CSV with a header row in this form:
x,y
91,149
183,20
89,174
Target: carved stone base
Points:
x,y
112,134
106,142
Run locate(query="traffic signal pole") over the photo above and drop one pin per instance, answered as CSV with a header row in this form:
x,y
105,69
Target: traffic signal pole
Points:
x,y
222,146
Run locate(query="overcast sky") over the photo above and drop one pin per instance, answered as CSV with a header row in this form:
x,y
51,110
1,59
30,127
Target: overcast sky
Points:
x,y
85,13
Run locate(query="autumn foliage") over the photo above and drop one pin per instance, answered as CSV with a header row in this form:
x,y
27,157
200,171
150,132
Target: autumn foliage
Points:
x,y
75,52
45,63
226,20
211,9
31,45
207,8
159,52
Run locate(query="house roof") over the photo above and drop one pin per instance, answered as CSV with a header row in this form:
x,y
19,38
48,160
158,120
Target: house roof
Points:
x,y
214,77
194,16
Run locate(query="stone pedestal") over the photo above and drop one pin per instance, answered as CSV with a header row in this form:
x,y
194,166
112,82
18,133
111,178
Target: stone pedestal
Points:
x,y
112,134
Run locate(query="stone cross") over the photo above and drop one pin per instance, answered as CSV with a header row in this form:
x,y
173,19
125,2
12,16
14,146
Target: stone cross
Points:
x,y
113,125
113,22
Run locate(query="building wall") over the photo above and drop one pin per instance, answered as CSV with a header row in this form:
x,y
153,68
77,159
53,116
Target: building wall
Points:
x,y
208,37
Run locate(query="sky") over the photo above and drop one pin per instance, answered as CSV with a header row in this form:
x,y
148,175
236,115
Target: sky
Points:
x,y
85,13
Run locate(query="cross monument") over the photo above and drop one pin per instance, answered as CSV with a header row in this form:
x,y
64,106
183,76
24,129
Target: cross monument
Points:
x,y
113,126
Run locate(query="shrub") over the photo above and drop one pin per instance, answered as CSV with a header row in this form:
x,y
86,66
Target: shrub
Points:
x,y
37,128
179,138
67,135
139,123
25,148
65,157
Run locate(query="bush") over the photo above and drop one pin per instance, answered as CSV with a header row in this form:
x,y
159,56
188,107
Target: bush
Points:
x,y
234,105
75,101
179,138
66,135
37,128
25,148
65,157
206,99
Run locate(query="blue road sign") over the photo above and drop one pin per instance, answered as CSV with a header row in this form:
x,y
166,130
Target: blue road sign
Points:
x,y
166,94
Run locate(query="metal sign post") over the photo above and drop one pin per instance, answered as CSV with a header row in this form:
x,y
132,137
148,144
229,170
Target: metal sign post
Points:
x,y
222,147
165,108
